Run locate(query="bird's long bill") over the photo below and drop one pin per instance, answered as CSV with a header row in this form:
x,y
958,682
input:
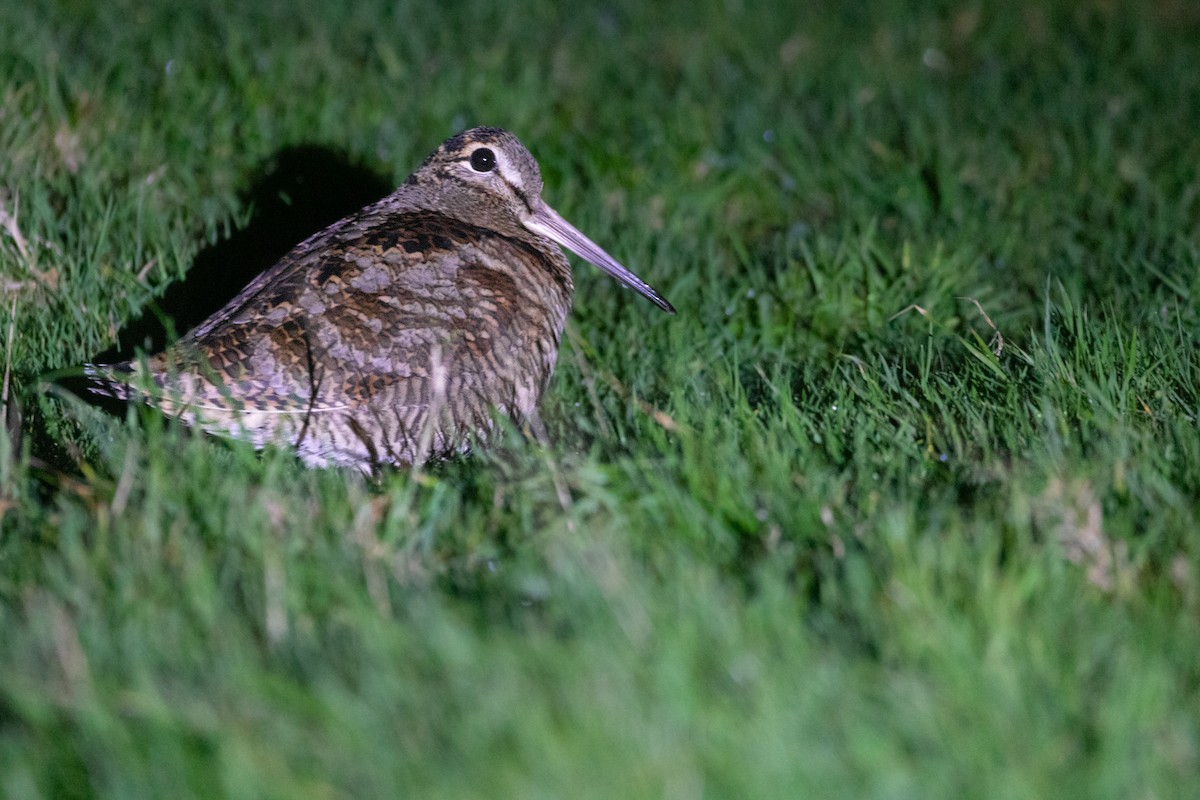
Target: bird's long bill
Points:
x,y
550,224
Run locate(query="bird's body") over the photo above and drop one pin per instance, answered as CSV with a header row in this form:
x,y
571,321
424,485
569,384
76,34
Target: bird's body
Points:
x,y
394,335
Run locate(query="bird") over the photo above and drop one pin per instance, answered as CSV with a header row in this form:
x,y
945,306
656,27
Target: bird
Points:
x,y
395,336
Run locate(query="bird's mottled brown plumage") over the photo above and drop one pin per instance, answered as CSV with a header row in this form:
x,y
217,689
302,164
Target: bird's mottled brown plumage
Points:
x,y
393,335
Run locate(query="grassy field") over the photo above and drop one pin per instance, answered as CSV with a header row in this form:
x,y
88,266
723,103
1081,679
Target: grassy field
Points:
x,y
902,504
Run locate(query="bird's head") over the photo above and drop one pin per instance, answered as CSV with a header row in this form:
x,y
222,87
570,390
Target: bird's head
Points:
x,y
487,178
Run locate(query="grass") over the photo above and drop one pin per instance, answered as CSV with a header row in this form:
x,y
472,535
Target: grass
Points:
x,y
901,504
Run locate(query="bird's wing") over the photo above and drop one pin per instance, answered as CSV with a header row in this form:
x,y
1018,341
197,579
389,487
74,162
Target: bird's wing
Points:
x,y
371,307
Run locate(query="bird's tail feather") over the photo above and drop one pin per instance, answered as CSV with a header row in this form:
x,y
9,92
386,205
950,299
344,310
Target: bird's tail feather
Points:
x,y
111,380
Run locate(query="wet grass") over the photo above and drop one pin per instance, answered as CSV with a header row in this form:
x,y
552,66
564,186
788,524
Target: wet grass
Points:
x,y
901,504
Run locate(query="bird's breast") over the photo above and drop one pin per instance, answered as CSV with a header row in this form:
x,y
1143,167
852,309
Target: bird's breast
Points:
x,y
446,307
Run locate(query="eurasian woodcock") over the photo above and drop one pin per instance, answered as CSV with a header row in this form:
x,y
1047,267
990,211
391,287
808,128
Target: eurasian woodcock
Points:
x,y
394,335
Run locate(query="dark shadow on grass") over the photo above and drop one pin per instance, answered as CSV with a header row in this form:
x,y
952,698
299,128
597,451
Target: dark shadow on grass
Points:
x,y
296,193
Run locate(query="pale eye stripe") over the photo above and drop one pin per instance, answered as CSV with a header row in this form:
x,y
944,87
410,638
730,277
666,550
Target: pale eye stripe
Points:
x,y
503,167
504,170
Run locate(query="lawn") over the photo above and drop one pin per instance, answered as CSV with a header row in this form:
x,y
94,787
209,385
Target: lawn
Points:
x,y
902,504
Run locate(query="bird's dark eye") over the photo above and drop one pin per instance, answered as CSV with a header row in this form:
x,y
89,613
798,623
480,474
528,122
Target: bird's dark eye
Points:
x,y
483,160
